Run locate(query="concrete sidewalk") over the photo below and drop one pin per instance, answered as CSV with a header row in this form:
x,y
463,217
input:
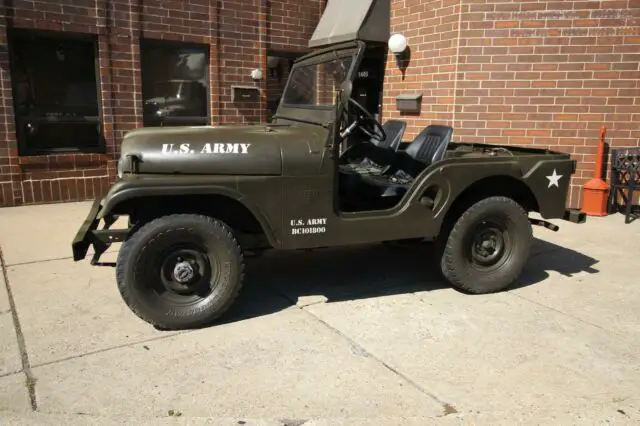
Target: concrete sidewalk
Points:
x,y
350,336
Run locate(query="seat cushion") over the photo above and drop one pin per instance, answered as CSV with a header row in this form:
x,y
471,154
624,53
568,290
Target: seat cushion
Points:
x,y
365,167
385,186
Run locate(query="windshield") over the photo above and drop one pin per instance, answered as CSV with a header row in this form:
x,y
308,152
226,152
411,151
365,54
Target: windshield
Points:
x,y
316,84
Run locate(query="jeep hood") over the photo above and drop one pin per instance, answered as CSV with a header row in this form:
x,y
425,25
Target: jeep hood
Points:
x,y
230,149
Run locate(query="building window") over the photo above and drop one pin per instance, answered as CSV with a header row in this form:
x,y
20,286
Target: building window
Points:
x,y
279,65
55,92
175,83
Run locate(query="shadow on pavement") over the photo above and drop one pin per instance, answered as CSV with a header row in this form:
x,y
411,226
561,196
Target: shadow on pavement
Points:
x,y
547,257
278,280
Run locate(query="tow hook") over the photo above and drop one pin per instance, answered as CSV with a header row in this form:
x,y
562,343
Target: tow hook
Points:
x,y
544,224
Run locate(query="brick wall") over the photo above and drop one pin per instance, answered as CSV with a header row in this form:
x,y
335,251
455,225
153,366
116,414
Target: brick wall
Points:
x,y
543,73
292,22
431,31
238,33
8,150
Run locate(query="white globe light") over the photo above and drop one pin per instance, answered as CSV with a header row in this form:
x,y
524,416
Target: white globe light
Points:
x,y
256,74
397,43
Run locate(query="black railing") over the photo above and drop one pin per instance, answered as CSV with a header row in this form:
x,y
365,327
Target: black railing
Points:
x,y
625,181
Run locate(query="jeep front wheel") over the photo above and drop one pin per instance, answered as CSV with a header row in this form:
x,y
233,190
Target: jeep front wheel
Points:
x,y
180,271
487,247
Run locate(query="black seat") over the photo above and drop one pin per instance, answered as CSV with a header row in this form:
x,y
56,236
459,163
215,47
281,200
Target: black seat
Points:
x,y
427,148
371,157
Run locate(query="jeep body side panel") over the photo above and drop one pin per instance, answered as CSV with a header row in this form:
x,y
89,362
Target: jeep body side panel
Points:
x,y
311,220
303,151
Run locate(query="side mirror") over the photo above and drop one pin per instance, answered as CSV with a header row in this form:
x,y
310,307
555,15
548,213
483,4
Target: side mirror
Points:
x,y
345,92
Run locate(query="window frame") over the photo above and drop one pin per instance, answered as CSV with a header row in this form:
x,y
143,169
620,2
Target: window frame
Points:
x,y
290,55
175,121
317,60
24,149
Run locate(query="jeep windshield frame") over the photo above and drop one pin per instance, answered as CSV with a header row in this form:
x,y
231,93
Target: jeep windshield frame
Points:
x,y
302,98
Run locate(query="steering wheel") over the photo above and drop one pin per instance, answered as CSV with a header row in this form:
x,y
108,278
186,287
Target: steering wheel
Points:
x,y
367,123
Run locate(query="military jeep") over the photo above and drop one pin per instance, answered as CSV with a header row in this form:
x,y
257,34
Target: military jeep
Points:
x,y
323,173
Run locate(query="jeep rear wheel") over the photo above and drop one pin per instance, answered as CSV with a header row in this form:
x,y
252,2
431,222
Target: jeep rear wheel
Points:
x,y
487,247
180,271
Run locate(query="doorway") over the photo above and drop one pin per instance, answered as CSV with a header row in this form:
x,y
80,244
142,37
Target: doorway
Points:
x,y
367,86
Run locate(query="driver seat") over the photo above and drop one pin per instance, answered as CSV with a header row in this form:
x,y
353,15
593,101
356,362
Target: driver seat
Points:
x,y
427,148
371,157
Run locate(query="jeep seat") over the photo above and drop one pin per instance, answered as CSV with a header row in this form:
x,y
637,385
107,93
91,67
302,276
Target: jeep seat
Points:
x,y
371,157
427,148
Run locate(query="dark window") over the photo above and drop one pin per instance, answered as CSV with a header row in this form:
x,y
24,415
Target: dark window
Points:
x,y
55,92
279,65
175,81
316,84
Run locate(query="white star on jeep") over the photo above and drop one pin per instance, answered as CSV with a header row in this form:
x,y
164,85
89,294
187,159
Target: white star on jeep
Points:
x,y
554,179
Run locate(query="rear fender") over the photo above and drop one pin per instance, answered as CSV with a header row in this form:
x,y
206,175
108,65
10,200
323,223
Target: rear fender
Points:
x,y
550,181
446,183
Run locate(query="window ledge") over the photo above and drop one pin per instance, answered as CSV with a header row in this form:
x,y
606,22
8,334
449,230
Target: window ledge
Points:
x,y
65,160
59,156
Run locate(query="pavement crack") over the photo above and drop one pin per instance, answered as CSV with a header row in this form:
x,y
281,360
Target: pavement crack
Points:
x,y
30,380
10,373
53,259
361,351
126,345
111,348
564,313
386,365
31,262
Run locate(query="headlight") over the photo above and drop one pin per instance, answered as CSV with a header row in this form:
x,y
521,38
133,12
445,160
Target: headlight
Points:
x,y
125,165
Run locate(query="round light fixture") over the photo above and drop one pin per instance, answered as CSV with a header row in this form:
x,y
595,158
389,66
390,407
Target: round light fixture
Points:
x,y
397,43
256,74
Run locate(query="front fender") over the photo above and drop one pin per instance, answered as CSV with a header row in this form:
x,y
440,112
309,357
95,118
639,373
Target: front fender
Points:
x,y
148,186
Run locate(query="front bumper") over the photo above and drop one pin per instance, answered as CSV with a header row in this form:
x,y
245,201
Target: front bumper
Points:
x,y
101,239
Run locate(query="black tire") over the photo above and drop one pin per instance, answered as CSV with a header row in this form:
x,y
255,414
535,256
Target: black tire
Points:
x,y
198,250
488,246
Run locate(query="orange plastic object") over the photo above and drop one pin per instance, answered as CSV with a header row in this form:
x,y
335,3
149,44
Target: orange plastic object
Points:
x,y
595,193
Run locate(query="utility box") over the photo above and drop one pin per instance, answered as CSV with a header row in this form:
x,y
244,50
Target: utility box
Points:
x,y
245,94
409,102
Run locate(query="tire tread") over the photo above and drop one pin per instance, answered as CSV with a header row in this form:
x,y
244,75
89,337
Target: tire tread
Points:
x,y
125,254
448,263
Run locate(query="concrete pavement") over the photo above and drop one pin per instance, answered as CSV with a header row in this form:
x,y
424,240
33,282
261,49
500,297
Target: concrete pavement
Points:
x,y
343,336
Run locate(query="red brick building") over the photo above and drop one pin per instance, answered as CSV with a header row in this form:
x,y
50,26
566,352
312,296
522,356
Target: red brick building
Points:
x,y
77,74
523,72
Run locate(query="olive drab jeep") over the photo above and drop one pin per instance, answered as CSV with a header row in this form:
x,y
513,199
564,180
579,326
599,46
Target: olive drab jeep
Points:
x,y
323,173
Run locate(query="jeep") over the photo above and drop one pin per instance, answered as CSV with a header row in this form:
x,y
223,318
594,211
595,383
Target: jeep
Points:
x,y
323,173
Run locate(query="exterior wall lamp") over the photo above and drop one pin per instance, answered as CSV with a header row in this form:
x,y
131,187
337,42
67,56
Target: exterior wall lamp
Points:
x,y
397,44
256,74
